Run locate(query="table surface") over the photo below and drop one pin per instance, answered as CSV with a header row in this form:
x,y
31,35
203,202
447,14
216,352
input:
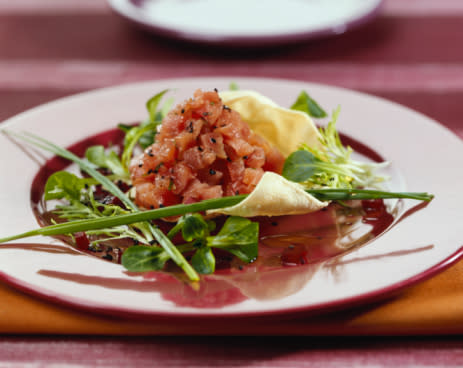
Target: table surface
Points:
x,y
412,54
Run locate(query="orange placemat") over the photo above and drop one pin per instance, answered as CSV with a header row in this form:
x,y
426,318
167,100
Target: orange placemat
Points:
x,y
434,306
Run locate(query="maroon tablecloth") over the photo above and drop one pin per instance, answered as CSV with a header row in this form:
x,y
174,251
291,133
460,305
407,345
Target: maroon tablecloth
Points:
x,y
412,53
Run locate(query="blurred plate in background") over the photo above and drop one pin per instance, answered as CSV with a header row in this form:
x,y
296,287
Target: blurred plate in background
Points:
x,y
247,22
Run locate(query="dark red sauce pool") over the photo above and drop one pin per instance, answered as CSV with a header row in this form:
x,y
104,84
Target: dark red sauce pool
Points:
x,y
291,248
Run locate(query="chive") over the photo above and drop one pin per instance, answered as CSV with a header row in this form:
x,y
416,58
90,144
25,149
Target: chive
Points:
x,y
181,209
331,194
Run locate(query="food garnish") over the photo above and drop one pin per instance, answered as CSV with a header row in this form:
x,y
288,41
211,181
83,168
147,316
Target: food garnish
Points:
x,y
237,154
284,128
274,196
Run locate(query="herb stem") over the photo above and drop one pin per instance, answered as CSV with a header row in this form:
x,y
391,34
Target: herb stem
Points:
x,y
182,209
174,253
348,194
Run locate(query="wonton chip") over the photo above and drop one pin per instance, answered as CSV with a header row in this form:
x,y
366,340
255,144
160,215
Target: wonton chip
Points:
x,y
284,128
287,130
274,196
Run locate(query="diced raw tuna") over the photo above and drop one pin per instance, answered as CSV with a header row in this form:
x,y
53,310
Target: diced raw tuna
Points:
x,y
203,150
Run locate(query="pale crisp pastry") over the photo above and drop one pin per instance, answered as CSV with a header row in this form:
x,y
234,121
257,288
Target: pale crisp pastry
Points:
x,y
273,196
284,128
287,130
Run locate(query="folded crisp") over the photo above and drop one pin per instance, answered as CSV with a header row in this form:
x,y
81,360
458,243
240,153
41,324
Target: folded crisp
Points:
x,y
287,130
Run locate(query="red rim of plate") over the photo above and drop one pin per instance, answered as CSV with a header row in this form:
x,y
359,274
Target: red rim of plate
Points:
x,y
369,297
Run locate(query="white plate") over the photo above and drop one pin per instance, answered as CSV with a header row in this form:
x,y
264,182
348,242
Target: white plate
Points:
x,y
424,156
246,22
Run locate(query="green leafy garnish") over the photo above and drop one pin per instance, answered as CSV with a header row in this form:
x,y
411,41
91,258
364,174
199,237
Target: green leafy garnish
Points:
x,y
98,156
152,106
300,166
146,139
63,184
82,205
193,226
144,133
330,166
134,136
203,261
306,104
139,258
238,236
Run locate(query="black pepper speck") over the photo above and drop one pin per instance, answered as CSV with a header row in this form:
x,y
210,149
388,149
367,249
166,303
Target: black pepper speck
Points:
x,y
109,257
